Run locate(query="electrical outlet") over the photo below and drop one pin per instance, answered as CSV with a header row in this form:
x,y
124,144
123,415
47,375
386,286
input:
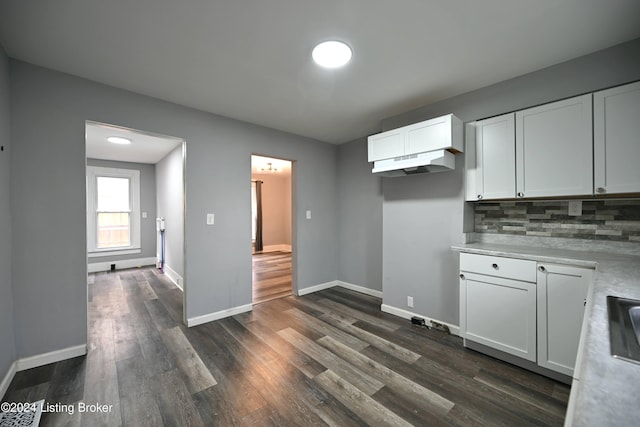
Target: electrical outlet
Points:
x,y
410,302
575,207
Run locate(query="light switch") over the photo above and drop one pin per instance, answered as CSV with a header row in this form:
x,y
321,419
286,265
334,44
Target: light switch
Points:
x,y
210,219
308,214
144,214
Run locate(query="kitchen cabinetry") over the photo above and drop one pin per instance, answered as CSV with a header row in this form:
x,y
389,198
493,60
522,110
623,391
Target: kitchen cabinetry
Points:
x,y
554,149
495,167
524,308
616,129
440,133
562,296
498,303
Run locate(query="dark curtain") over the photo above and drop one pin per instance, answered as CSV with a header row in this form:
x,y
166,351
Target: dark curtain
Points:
x,y
259,243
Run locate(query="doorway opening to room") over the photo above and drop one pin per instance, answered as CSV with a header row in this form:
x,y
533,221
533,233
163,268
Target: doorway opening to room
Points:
x,y
271,228
135,216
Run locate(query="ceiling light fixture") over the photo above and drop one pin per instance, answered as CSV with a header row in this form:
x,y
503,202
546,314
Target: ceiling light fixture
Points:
x,y
269,168
119,140
331,54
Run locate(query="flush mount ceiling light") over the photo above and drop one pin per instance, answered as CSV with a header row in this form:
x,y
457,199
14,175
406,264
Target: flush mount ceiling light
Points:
x,y
119,140
331,54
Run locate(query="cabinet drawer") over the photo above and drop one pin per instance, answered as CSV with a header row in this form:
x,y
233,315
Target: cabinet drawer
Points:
x,y
509,268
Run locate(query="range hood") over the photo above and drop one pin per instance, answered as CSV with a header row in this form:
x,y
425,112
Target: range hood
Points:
x,y
425,147
432,161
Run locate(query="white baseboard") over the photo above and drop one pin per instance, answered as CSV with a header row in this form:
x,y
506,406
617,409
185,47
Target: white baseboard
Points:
x,y
51,357
6,381
317,288
199,320
174,277
358,288
455,330
276,248
346,285
94,267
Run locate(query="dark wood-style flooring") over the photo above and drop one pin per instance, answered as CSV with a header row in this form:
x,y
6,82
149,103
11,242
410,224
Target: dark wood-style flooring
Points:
x,y
329,358
271,276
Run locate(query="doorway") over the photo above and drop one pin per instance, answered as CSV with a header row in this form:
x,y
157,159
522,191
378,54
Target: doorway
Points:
x,y
271,228
134,178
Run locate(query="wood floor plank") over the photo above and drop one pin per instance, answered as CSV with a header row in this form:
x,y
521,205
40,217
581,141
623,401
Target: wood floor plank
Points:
x,y
196,375
174,400
359,402
413,392
326,329
373,320
359,379
101,376
374,340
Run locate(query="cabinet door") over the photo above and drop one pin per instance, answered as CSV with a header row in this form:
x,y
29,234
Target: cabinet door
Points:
x,y
554,149
386,145
499,313
616,126
440,133
496,158
562,295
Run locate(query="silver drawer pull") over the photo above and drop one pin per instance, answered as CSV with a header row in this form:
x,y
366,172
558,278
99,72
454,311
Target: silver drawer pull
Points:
x,y
462,276
542,269
494,265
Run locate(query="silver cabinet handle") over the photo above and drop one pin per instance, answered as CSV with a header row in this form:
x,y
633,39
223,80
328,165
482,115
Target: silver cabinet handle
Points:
x,y
520,194
542,269
462,276
585,302
479,196
601,190
495,266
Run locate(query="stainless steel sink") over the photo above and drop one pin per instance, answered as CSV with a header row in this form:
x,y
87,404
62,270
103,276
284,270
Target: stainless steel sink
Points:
x,y
624,328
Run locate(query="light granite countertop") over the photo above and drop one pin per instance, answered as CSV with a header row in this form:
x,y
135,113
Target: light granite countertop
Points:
x,y
605,390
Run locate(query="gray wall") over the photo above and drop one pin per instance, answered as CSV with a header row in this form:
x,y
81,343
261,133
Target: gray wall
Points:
x,y
7,346
360,213
170,203
416,236
147,204
49,110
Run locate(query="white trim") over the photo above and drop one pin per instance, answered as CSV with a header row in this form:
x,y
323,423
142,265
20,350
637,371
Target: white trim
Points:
x,y
199,320
101,253
276,248
133,175
174,277
6,381
122,264
455,330
317,288
358,288
51,357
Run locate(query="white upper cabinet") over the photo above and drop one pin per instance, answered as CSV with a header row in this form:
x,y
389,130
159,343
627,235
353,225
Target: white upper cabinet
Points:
x,y
386,145
617,139
440,133
554,149
495,158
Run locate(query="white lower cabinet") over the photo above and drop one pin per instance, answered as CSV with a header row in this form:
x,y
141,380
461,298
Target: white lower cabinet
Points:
x,y
527,309
562,296
496,309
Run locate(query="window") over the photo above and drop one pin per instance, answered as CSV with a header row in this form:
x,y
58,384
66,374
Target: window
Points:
x,y
113,211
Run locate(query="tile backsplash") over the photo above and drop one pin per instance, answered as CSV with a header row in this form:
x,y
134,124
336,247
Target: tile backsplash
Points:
x,y
617,220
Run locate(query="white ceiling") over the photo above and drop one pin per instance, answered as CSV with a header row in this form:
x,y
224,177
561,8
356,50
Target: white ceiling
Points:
x,y
251,60
144,147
